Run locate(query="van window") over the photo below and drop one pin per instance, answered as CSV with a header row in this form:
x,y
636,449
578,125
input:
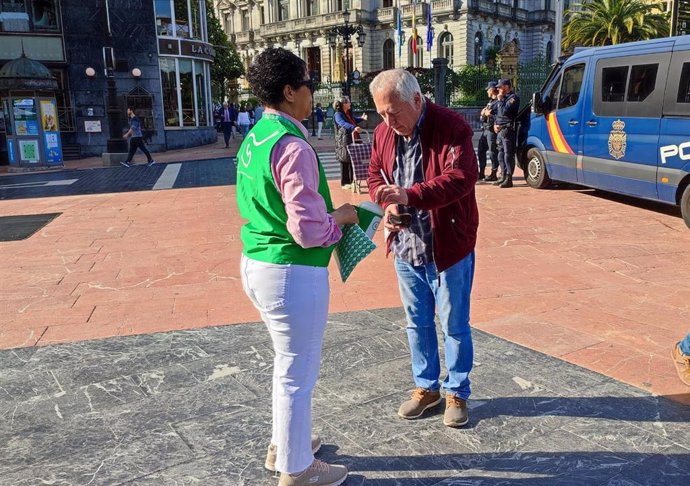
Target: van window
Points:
x,y
613,83
572,84
684,88
642,81
552,99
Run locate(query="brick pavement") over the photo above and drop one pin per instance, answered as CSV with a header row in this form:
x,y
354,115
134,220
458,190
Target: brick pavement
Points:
x,y
596,280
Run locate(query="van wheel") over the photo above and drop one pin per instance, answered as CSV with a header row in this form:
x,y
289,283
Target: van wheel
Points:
x,y
685,205
535,173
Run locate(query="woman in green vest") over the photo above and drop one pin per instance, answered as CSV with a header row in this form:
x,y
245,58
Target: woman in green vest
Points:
x,y
288,239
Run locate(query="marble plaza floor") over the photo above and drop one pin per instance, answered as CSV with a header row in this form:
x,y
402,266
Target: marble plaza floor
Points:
x,y
192,407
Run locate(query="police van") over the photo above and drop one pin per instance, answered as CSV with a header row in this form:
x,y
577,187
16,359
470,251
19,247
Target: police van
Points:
x,y
615,118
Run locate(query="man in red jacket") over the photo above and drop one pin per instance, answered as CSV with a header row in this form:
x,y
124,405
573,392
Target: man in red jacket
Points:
x,y
423,170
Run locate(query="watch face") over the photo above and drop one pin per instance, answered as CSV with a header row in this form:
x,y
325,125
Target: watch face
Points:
x,y
355,74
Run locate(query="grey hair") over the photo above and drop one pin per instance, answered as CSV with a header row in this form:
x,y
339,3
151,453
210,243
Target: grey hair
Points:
x,y
398,80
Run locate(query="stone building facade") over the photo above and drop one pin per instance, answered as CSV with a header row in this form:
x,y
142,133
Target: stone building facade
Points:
x,y
463,31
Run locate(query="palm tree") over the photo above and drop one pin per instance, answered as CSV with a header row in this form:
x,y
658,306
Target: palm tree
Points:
x,y
606,22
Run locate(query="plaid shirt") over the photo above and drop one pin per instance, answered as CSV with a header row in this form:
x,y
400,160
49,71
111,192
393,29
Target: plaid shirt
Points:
x,y
412,245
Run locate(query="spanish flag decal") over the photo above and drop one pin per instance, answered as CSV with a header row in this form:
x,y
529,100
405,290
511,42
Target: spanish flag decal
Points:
x,y
557,138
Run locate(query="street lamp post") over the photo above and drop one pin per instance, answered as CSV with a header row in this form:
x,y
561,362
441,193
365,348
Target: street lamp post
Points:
x,y
313,80
346,32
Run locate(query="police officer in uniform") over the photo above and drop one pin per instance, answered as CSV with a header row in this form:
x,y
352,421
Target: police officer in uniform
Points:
x,y
505,127
487,141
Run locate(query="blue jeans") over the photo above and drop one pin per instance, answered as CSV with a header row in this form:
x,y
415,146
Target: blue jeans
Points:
x,y
685,345
422,291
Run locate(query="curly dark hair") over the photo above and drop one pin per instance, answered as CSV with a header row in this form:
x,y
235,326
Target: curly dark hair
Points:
x,y
271,71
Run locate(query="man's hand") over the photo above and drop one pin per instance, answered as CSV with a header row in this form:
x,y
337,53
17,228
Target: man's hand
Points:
x,y
357,129
391,209
391,194
497,128
345,214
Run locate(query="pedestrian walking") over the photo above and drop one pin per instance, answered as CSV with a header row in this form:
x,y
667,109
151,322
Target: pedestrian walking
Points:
x,y
243,121
227,121
319,120
137,139
423,171
347,132
258,112
681,358
289,235
505,128
487,141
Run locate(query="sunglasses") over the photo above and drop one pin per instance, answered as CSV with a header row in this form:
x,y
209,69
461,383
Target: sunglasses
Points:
x,y
309,83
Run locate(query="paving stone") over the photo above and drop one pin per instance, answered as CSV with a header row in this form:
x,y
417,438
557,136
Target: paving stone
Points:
x,y
194,407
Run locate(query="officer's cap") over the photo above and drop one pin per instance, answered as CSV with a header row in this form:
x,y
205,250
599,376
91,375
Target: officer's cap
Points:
x,y
504,82
491,85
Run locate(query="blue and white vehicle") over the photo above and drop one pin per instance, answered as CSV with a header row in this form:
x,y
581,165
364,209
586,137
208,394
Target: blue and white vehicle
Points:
x,y
615,118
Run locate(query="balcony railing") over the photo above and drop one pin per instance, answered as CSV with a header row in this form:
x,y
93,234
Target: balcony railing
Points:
x,y
442,7
245,37
500,10
541,16
310,23
420,12
388,14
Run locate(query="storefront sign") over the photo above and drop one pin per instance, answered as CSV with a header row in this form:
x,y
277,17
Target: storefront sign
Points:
x,y
48,117
10,151
92,126
25,117
53,151
197,49
28,151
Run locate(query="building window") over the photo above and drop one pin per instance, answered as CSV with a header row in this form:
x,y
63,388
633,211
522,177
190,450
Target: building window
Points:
x,y
387,3
416,60
312,7
478,48
29,16
187,106
173,18
446,47
181,18
498,42
245,20
338,5
169,84
283,10
196,19
549,51
201,95
262,16
389,54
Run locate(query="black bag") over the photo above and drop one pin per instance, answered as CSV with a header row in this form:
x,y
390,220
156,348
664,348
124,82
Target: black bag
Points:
x,y
343,138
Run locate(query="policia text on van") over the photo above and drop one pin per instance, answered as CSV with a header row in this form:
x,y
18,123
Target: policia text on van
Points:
x,y
616,118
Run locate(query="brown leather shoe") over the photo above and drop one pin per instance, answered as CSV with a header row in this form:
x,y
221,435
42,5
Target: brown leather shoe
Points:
x,y
456,411
682,362
421,400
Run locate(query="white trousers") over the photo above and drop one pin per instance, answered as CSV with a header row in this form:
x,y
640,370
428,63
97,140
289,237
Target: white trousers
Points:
x,y
293,302
320,127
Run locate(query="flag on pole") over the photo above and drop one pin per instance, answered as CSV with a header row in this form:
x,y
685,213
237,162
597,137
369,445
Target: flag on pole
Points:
x,y
400,32
429,29
414,27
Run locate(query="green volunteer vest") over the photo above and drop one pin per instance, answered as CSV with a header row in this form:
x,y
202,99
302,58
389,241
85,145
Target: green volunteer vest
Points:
x,y
265,236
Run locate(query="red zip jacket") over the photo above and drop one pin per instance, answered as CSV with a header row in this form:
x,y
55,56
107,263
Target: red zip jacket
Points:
x,y
450,173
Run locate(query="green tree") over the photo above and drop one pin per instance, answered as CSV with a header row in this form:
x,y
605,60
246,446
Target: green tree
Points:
x,y
607,22
227,65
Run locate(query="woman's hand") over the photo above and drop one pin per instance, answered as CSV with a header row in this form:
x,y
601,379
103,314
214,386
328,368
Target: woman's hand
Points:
x,y
345,214
364,116
357,129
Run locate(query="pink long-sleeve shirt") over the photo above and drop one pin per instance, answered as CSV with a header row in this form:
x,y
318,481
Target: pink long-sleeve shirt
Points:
x,y
296,174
